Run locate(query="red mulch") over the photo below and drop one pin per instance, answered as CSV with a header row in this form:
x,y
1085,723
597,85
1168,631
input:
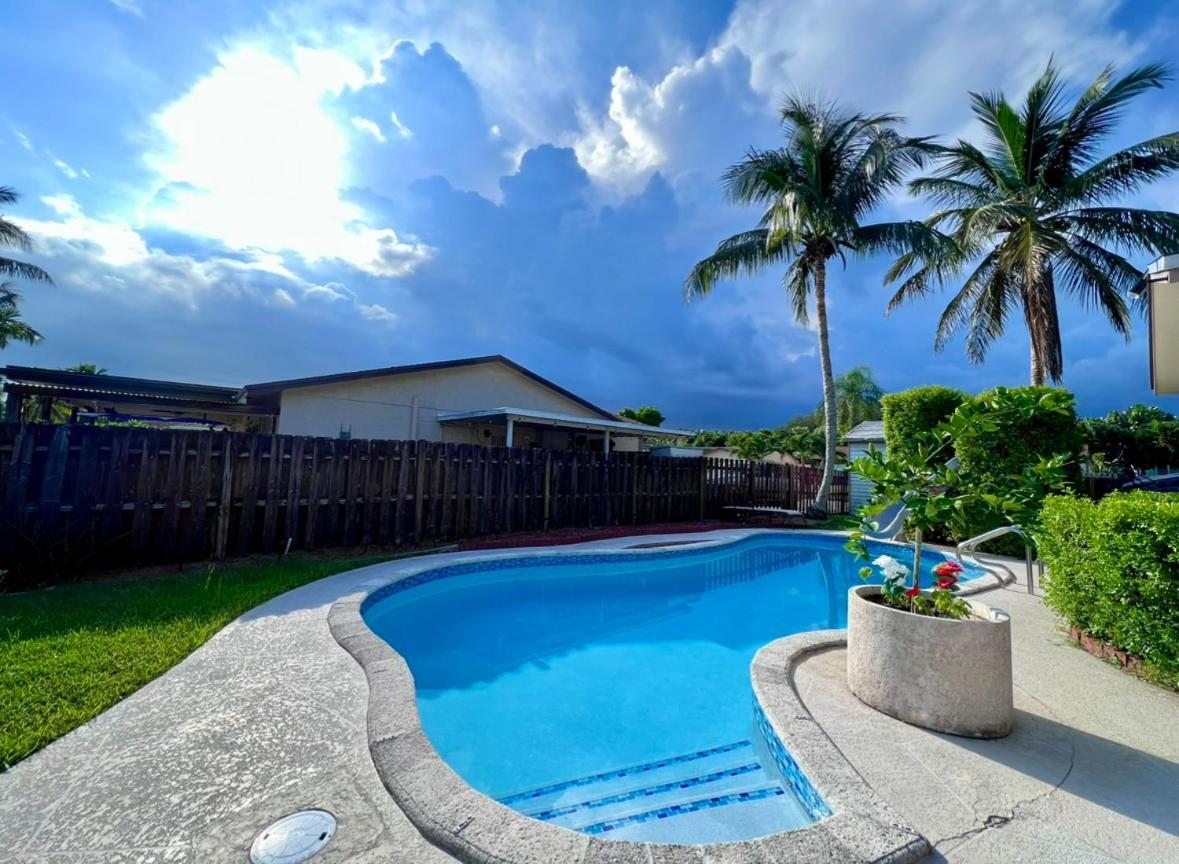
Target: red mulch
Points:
x,y
563,536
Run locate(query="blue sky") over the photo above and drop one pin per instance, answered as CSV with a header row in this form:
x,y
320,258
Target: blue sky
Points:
x,y
231,192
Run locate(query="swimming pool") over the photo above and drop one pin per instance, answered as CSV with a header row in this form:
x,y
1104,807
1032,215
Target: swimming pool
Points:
x,y
610,693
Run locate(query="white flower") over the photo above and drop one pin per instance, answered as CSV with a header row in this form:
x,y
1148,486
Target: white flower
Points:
x,y
891,567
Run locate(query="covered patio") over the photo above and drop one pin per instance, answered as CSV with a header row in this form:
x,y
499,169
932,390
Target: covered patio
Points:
x,y
523,427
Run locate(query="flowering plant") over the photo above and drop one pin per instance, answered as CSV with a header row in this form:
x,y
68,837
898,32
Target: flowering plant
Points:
x,y
940,601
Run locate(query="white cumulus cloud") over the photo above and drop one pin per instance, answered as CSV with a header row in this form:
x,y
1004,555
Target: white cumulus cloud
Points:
x,y
253,160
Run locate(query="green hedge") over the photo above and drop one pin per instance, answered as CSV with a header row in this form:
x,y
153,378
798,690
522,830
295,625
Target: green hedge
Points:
x,y
1113,572
911,412
1022,438
1027,432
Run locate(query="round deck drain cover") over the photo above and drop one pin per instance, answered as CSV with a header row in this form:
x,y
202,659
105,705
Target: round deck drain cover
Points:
x,y
294,838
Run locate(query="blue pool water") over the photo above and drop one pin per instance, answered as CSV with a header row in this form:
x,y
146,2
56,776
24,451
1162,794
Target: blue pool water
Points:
x,y
613,696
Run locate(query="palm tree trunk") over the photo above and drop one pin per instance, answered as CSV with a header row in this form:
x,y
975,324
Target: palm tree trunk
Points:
x,y
1037,375
829,416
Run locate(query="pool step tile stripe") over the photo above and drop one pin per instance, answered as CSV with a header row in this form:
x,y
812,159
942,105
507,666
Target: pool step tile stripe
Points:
x,y
685,765
684,808
645,795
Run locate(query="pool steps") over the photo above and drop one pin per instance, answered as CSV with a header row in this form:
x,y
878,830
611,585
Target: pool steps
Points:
x,y
675,797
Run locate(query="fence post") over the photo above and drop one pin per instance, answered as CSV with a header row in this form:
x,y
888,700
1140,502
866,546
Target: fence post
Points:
x,y
703,485
228,455
548,490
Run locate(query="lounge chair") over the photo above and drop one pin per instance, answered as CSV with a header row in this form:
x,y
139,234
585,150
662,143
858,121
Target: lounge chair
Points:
x,y
767,513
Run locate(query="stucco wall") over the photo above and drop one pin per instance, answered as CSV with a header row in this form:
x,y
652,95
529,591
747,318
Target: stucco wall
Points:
x,y
406,406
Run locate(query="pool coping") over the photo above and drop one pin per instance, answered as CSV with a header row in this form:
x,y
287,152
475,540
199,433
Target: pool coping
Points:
x,y
476,828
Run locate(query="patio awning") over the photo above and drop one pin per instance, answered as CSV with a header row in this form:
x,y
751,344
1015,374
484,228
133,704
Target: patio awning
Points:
x,y
567,421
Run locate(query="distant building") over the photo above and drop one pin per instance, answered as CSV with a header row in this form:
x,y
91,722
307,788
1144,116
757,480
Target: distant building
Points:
x,y
78,397
478,400
868,434
1160,290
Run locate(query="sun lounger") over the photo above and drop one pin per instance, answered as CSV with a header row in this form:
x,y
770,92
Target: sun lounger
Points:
x,y
767,513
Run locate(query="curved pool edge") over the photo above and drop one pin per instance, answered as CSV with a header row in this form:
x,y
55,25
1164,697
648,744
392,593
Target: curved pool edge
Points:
x,y
476,828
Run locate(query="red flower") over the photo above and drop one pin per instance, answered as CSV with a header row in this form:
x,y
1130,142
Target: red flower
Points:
x,y
946,581
913,592
948,568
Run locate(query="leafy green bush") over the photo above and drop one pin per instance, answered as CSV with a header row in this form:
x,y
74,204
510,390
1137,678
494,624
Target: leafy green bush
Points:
x,y
1141,437
1113,571
911,413
1030,424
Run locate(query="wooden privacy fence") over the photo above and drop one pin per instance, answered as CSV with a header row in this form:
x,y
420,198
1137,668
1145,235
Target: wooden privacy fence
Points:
x,y
82,496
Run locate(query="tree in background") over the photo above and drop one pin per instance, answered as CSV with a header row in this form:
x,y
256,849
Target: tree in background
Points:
x,y
835,168
857,398
85,369
648,415
1141,437
1028,213
12,328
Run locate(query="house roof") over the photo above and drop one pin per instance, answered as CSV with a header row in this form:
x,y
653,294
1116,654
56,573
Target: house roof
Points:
x,y
64,385
550,418
271,387
868,430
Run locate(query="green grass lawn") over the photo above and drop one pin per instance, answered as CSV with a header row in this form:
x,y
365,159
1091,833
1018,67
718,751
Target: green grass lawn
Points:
x,y
69,653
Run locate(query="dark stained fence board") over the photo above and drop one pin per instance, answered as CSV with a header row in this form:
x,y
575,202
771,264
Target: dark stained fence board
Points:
x,y
135,496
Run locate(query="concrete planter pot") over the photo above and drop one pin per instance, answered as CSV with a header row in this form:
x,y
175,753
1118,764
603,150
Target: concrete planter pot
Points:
x,y
940,674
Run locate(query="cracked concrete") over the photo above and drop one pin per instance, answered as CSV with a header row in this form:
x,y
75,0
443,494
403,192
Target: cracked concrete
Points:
x,y
1090,773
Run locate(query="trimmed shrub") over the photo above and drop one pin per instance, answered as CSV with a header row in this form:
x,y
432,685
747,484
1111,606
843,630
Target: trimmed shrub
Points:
x,y
1028,432
909,413
1113,572
1030,428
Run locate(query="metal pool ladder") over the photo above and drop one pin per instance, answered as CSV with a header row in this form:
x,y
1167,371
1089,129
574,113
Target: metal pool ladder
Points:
x,y
967,547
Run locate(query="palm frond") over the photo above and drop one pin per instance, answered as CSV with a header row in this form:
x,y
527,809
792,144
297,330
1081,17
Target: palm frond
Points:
x,y
13,269
1153,231
1098,279
742,254
1094,116
13,236
797,282
1120,173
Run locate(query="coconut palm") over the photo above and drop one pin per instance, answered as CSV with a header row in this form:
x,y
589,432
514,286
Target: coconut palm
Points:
x,y
1029,212
13,237
834,168
857,397
12,328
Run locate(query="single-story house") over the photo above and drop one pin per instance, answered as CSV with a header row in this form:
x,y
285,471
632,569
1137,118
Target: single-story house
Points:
x,y
1159,289
477,400
83,397
869,433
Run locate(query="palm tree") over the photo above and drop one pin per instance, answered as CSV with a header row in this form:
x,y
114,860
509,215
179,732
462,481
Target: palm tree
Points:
x,y
857,397
835,167
12,328
13,237
1029,210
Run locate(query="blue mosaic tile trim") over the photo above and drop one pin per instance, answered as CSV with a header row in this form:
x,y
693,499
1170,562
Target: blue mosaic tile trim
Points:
x,y
686,807
631,557
800,784
532,794
648,792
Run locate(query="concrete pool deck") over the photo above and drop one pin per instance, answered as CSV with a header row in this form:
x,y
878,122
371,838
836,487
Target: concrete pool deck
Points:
x,y
270,716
